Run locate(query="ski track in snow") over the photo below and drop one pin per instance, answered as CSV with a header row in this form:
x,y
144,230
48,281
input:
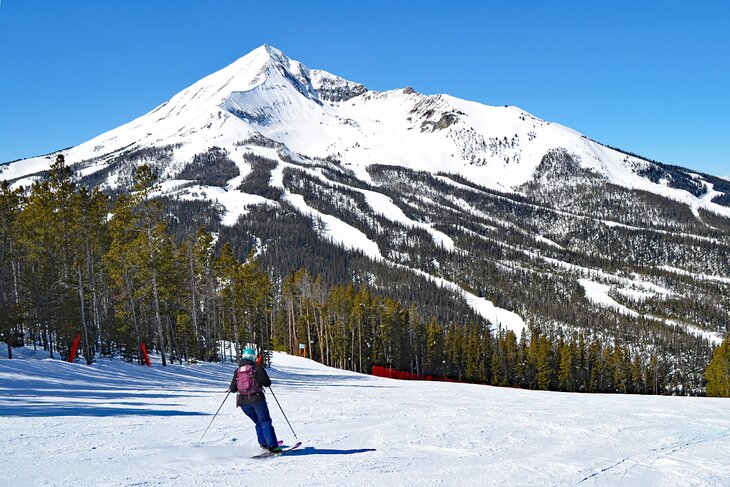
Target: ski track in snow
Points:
x,y
117,424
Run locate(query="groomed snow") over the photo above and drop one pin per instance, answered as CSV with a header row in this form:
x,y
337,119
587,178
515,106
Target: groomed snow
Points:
x,y
383,205
380,204
706,277
598,293
117,424
336,230
498,317
235,203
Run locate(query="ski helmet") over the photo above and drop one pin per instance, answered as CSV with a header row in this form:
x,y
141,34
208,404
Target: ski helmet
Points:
x,y
248,354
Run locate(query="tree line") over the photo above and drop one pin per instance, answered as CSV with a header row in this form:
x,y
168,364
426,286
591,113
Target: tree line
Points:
x,y
74,262
354,328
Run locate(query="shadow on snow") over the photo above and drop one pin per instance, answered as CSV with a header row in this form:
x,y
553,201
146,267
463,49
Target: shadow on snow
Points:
x,y
50,410
310,450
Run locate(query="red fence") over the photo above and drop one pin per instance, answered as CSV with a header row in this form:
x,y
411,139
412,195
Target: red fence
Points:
x,y
380,371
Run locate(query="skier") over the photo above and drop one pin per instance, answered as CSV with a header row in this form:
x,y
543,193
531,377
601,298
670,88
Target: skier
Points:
x,y
249,380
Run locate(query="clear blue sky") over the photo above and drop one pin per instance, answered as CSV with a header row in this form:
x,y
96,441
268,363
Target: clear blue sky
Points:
x,y
651,77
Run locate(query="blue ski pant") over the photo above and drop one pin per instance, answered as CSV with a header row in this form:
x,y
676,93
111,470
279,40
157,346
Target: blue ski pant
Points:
x,y
258,411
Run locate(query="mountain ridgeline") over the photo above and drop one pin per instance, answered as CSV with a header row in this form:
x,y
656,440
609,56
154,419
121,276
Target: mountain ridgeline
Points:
x,y
283,206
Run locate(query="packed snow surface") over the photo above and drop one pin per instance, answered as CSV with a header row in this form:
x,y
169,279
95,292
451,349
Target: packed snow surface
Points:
x,y
118,424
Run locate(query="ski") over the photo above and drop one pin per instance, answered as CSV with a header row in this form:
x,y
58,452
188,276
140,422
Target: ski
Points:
x,y
268,454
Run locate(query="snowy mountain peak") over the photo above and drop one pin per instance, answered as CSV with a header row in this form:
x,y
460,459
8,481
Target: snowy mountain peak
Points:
x,y
274,53
310,83
254,69
318,114
263,65
293,71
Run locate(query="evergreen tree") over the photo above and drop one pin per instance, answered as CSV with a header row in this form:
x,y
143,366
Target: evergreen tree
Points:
x,y
543,360
202,288
10,207
256,295
435,358
359,319
140,254
718,372
90,241
227,271
566,380
123,265
152,245
45,239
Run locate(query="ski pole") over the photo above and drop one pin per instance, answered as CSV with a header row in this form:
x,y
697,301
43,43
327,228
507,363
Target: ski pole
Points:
x,y
216,414
282,412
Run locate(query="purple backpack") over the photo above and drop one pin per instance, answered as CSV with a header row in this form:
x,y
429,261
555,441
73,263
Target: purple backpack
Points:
x,y
246,382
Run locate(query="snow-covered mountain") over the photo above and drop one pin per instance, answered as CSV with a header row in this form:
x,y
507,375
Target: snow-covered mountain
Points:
x,y
319,115
66,424
463,210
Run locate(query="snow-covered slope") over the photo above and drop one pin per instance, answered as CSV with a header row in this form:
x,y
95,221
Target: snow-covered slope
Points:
x,y
118,424
317,114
